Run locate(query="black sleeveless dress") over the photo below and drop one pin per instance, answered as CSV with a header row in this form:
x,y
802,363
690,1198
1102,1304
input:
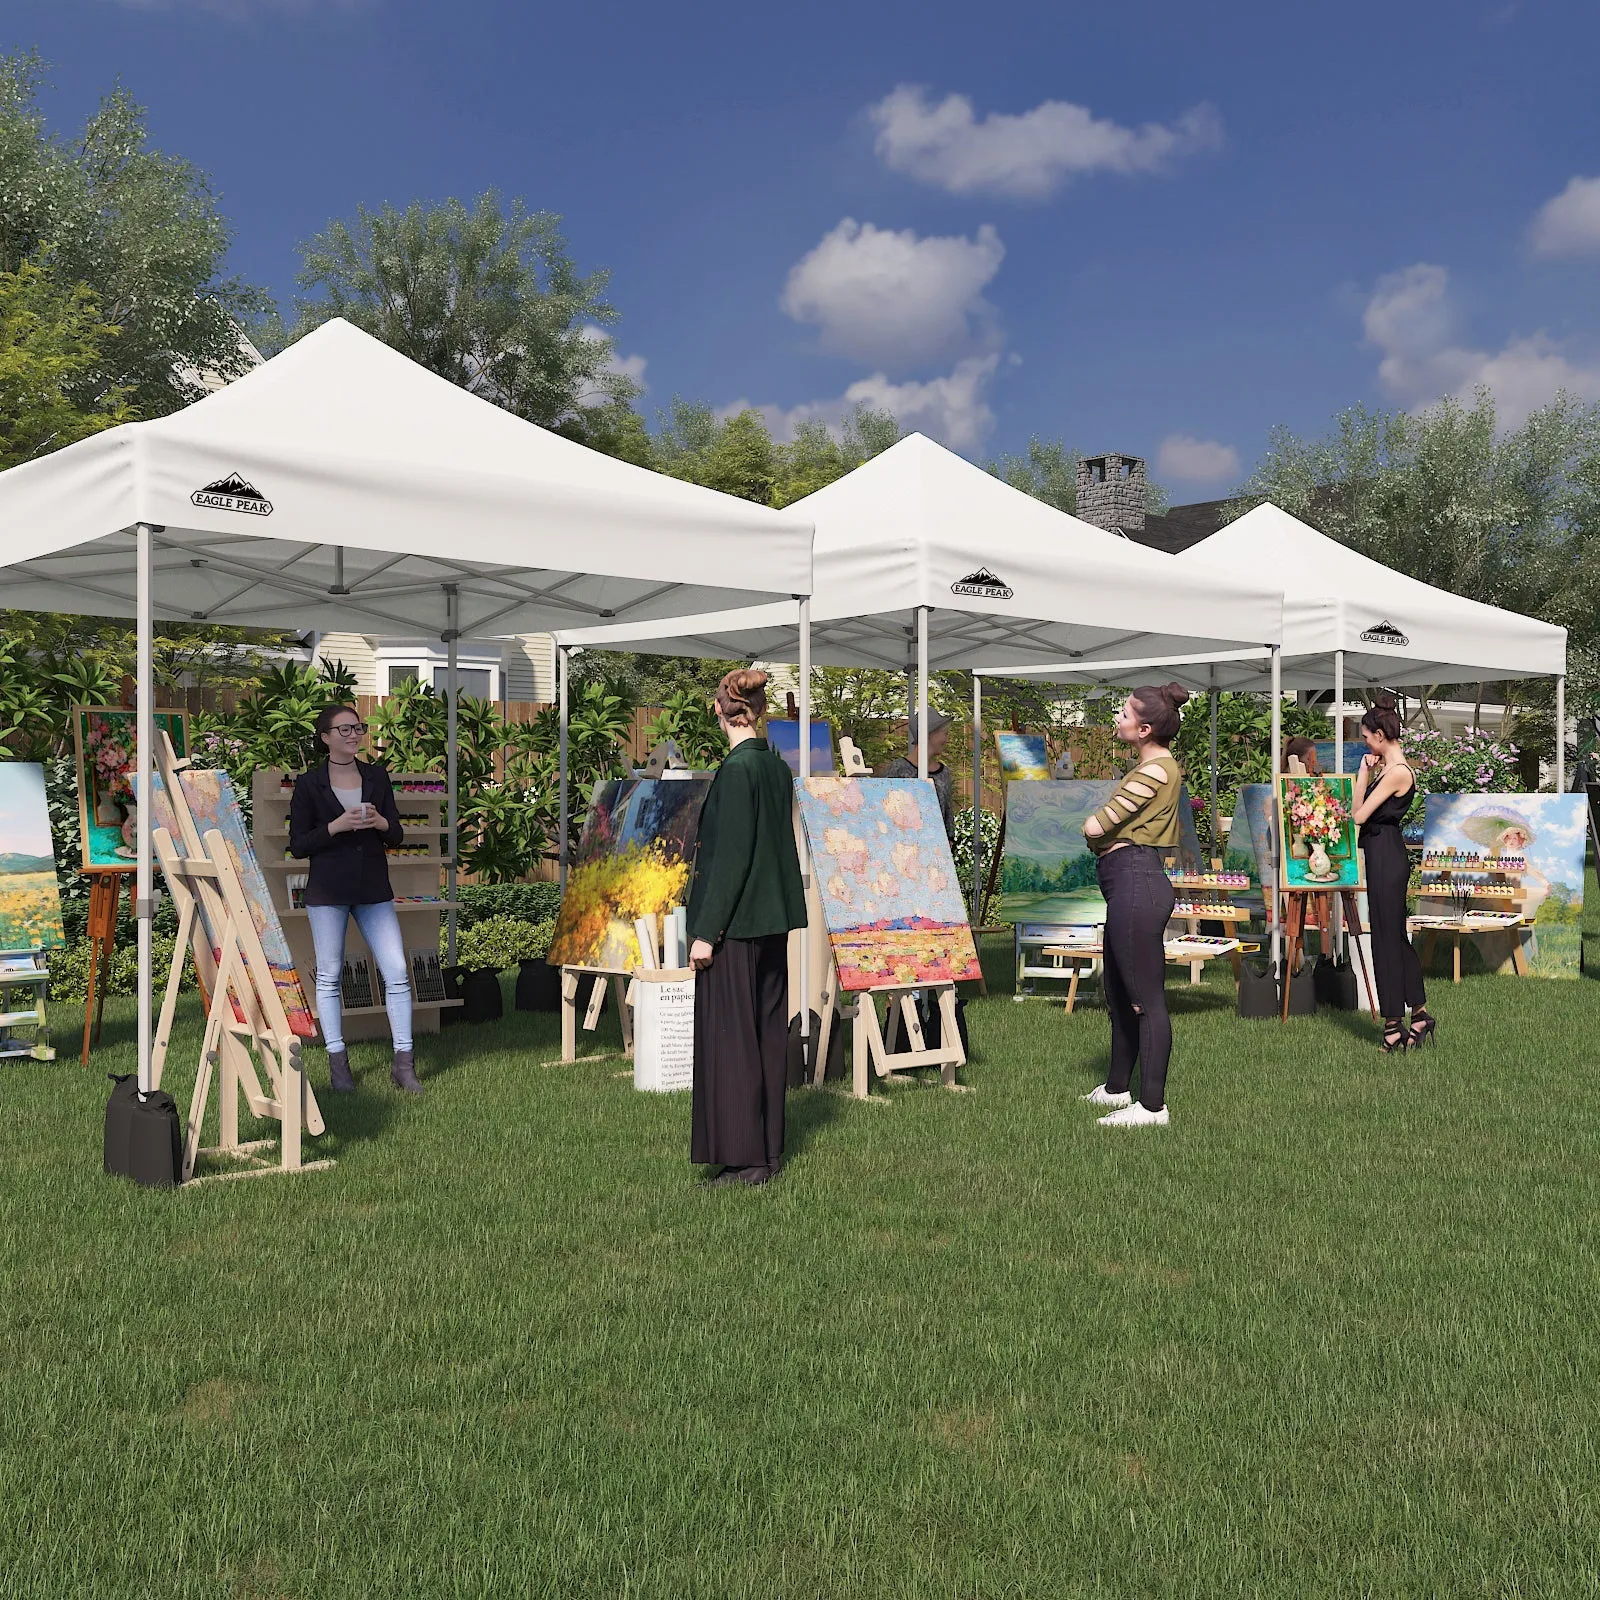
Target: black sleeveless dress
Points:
x,y
1396,966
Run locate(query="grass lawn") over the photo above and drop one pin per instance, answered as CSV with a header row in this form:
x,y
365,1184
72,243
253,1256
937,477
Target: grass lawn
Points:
x,y
1334,1332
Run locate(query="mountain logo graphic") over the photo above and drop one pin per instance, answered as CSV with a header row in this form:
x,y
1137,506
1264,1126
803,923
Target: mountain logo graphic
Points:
x,y
983,584
232,493
1385,633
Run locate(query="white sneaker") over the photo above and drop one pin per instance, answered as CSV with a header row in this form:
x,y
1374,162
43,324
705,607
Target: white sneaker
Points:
x,y
1102,1096
1135,1116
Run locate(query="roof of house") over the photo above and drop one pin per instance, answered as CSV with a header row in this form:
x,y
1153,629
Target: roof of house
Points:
x,y
1181,526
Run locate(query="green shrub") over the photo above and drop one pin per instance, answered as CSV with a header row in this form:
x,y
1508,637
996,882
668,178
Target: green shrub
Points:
x,y
527,902
69,968
498,943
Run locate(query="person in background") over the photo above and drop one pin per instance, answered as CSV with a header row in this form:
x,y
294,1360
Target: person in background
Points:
x,y
341,818
745,899
1384,787
938,768
1129,834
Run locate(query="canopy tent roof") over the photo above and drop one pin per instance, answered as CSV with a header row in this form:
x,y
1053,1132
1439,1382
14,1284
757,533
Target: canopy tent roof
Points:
x,y
341,485
1007,579
1394,630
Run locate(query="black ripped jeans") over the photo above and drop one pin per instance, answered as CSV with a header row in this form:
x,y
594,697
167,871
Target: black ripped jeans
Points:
x,y
1139,902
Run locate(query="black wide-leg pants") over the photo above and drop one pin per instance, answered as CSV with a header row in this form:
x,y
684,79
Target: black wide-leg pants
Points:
x,y
741,1053
1139,902
1396,966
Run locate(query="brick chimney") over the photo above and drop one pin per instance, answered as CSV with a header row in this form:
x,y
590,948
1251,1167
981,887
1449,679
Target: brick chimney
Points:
x,y
1111,492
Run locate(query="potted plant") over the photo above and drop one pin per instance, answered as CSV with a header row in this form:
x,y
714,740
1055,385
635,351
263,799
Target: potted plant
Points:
x,y
483,952
538,983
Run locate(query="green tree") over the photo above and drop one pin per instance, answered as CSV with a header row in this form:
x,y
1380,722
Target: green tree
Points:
x,y
52,345
140,228
484,295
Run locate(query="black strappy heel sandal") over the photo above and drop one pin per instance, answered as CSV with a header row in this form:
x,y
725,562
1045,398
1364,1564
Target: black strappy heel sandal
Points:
x,y
1395,1037
1423,1028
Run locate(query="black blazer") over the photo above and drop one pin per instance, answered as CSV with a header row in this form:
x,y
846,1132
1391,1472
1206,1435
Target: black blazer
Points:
x,y
347,869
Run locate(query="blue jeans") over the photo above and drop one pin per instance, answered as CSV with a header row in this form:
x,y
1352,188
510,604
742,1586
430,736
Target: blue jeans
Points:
x,y
380,927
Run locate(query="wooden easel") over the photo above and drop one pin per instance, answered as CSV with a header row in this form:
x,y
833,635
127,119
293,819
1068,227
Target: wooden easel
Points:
x,y
622,990
246,1025
1294,927
105,893
871,1052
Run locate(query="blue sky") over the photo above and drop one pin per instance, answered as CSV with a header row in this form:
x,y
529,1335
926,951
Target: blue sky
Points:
x,y
1155,227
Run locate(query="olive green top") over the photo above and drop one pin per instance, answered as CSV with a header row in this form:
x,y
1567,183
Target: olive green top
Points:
x,y
1144,810
746,871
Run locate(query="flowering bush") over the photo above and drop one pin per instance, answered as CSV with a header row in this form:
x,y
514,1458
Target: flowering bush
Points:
x,y
1474,762
1318,813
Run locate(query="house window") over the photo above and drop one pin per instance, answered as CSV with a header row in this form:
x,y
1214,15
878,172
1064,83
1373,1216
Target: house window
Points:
x,y
476,681
402,674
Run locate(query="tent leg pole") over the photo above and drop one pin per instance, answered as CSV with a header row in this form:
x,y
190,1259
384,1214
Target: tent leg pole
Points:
x,y
1338,767
1561,735
144,756
922,691
805,774
1216,826
1277,741
562,669
977,798
453,610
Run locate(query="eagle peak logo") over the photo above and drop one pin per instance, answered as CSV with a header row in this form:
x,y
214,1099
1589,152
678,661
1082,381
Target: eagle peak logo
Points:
x,y
983,584
232,493
1385,633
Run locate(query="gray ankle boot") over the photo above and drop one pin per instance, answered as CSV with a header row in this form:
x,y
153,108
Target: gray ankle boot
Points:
x,y
339,1072
403,1074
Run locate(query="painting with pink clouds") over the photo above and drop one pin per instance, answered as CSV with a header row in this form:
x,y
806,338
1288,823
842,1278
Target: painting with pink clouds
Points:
x,y
889,894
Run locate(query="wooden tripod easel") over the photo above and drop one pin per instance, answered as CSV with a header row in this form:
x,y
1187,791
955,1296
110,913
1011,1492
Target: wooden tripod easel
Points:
x,y
1294,928
105,893
246,1024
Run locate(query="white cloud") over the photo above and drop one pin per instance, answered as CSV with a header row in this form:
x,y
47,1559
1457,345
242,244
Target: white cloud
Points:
x,y
1410,319
1192,460
629,366
1027,156
892,299
953,409
1568,224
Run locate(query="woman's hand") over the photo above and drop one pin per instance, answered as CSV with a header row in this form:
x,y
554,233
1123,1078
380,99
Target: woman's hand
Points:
x,y
700,954
357,818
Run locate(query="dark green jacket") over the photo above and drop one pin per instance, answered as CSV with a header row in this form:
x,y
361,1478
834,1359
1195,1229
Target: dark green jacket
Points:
x,y
747,873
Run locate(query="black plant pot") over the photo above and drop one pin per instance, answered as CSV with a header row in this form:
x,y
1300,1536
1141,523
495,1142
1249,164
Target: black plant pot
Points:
x,y
480,994
449,1016
538,986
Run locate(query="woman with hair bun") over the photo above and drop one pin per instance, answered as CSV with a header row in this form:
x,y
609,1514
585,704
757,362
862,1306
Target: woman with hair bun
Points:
x,y
1384,787
746,898
1128,833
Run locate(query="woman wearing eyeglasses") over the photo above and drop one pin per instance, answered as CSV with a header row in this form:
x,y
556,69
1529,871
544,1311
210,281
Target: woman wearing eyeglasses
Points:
x,y
341,820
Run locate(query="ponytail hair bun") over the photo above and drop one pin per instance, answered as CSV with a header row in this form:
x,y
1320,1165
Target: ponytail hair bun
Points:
x,y
1383,716
1158,706
742,696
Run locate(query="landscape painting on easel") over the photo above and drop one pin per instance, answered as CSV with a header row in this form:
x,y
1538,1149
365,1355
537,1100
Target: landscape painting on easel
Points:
x,y
890,900
635,859
30,900
1047,873
213,804
784,737
104,740
1022,755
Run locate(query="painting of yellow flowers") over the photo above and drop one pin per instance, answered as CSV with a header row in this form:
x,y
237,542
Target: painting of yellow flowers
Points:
x,y
30,901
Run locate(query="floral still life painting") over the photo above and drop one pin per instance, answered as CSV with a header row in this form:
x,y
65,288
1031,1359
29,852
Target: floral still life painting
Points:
x,y
30,901
635,859
104,739
1317,817
890,900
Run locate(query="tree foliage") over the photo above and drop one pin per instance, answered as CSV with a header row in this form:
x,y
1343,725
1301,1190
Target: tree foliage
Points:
x,y
141,230
485,295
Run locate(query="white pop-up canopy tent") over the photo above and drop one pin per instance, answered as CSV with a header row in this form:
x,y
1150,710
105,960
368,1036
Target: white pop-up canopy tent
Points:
x,y
340,484
926,562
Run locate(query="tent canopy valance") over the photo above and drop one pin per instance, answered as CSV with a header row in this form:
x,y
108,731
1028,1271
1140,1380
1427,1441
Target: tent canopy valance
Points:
x,y
1003,578
341,485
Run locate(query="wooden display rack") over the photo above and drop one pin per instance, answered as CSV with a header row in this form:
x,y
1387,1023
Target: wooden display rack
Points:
x,y
271,790
246,1025
1488,883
